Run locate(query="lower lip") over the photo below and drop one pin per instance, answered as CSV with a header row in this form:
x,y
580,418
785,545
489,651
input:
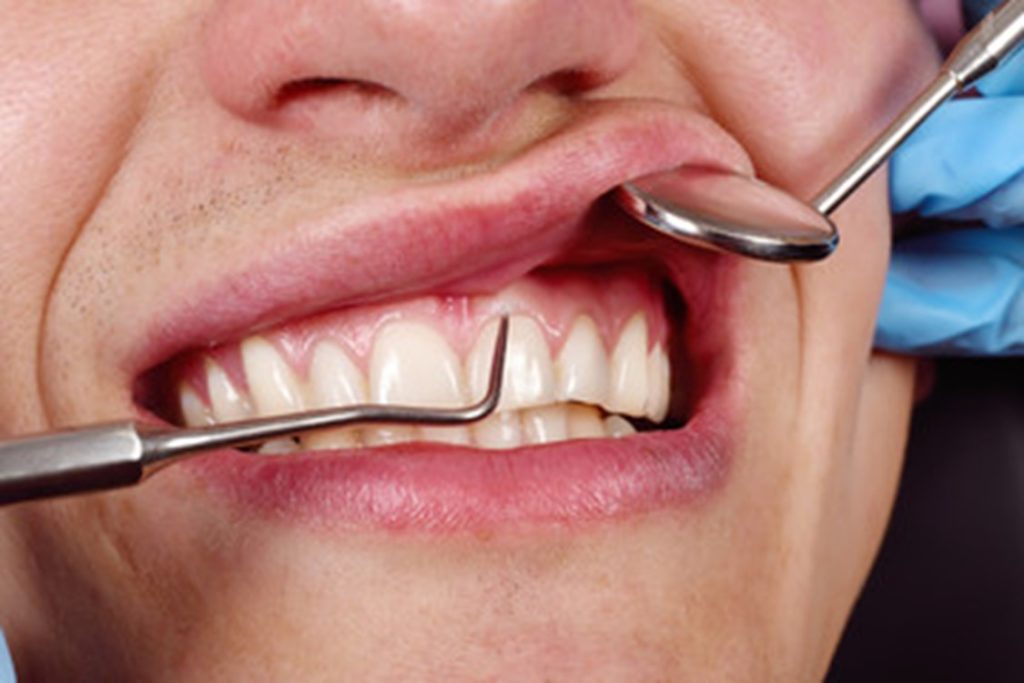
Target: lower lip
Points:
x,y
439,488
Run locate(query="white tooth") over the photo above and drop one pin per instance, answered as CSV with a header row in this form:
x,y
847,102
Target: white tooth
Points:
x,y
529,378
500,430
628,394
228,404
193,411
585,422
278,447
545,425
385,436
582,365
273,385
332,439
413,364
334,380
659,382
458,436
618,427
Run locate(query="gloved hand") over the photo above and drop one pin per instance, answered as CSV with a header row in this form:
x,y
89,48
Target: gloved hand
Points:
x,y
6,664
962,292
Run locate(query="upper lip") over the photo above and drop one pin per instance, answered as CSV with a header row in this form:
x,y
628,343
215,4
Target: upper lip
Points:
x,y
504,221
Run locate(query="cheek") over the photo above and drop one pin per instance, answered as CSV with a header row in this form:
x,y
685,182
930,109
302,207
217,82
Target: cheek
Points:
x,y
806,84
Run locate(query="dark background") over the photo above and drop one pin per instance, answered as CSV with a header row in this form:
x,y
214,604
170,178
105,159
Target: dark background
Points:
x,y
945,601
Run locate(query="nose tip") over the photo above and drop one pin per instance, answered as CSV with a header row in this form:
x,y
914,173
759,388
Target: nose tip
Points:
x,y
344,65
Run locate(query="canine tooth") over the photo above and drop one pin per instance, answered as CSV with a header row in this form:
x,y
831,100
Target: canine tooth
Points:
x,y
500,430
334,380
193,411
227,402
582,365
628,394
278,447
545,425
529,378
585,422
659,382
618,426
274,387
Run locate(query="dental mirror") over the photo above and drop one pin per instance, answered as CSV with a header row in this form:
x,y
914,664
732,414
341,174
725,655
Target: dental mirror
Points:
x,y
739,214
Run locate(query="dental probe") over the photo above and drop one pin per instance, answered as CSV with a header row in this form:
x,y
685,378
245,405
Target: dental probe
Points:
x,y
739,214
124,453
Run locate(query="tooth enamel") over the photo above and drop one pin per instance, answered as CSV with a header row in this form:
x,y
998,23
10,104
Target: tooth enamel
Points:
x,y
529,378
413,364
659,382
618,427
274,388
334,380
193,411
499,431
545,425
278,447
386,436
585,422
582,365
227,403
628,394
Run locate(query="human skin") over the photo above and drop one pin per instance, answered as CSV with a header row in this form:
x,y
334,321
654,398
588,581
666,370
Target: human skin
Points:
x,y
144,154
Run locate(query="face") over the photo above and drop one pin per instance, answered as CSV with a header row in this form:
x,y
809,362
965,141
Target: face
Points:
x,y
216,209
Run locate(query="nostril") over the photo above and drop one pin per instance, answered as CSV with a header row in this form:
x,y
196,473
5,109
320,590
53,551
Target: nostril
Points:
x,y
305,89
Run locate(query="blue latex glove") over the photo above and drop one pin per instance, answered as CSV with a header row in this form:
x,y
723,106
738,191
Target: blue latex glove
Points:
x,y
962,292
6,664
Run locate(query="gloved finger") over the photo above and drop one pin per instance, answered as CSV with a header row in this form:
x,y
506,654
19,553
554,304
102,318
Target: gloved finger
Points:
x,y
6,663
964,152
958,293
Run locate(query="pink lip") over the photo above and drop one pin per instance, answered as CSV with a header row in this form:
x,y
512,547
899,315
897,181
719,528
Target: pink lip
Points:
x,y
475,233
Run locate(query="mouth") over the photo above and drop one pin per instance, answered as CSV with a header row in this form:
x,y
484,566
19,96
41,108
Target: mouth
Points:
x,y
620,380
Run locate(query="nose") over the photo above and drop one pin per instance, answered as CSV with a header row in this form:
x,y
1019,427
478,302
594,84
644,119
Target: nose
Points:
x,y
361,67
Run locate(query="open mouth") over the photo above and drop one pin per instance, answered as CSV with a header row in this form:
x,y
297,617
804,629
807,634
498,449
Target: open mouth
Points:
x,y
588,357
618,388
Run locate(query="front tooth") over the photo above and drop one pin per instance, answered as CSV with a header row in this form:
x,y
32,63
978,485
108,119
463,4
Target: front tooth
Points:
x,y
628,393
582,365
585,422
499,431
334,380
227,402
529,378
193,411
659,382
413,364
274,387
545,425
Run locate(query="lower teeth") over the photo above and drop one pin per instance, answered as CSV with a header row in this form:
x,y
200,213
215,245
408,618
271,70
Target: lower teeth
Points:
x,y
504,430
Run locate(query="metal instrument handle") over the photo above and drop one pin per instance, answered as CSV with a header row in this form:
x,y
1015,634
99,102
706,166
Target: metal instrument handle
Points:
x,y
75,461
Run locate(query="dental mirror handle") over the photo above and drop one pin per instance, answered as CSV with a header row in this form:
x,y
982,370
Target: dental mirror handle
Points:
x,y
980,51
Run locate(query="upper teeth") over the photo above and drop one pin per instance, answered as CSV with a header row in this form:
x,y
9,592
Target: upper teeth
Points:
x,y
413,363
